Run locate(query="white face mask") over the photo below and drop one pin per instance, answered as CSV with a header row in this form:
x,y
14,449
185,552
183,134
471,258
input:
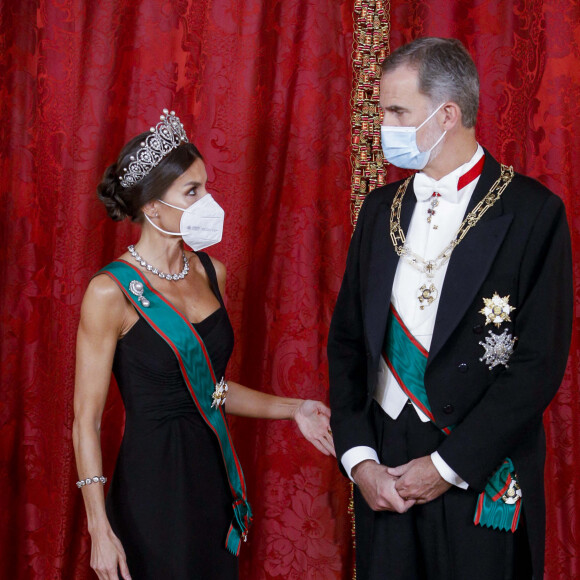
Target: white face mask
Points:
x,y
201,225
400,145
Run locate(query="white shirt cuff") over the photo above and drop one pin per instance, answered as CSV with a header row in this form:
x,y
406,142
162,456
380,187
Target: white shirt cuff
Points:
x,y
446,472
356,455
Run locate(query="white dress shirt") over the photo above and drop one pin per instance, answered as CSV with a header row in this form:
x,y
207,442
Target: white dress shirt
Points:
x,y
427,240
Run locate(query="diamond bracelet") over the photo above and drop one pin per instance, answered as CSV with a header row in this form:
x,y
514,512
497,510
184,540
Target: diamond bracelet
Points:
x,y
97,479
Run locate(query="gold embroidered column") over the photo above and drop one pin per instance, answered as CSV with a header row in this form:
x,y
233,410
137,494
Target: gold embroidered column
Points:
x,y
372,25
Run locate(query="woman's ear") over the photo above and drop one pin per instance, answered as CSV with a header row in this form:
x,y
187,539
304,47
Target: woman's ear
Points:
x,y
150,209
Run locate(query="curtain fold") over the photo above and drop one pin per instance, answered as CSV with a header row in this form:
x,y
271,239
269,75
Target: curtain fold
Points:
x,y
527,56
263,88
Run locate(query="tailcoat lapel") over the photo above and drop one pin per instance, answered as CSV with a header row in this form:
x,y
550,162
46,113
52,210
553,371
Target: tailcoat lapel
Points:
x,y
471,260
382,270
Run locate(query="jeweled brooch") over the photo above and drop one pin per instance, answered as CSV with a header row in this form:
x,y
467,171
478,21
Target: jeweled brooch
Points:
x,y
218,397
497,309
137,289
498,349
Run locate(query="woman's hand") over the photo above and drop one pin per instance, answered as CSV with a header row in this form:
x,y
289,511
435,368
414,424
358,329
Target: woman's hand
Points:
x,y
313,420
106,555
312,417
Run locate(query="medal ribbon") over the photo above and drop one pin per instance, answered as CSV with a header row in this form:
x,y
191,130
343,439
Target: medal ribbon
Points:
x,y
200,379
470,175
426,187
407,360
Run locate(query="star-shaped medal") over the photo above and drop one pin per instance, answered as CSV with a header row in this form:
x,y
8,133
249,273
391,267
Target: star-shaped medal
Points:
x,y
218,397
497,309
498,349
513,493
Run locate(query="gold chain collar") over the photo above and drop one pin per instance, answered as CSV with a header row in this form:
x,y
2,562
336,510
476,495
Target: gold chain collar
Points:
x,y
398,237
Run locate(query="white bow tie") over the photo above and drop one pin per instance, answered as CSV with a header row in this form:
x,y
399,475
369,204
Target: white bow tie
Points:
x,y
446,187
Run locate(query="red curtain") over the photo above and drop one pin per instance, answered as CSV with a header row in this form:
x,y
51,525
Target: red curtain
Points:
x,y
528,55
263,87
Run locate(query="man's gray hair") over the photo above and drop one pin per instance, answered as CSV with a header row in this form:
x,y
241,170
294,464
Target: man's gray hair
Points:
x,y
446,73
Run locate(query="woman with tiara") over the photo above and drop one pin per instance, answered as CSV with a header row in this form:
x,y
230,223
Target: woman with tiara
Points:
x,y
177,506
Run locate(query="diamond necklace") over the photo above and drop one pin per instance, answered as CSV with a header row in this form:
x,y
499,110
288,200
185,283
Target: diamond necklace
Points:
x,y
428,293
156,271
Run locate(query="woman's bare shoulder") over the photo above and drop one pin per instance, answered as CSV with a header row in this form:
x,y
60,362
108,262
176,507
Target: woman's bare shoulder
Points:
x,y
219,268
103,287
220,272
104,303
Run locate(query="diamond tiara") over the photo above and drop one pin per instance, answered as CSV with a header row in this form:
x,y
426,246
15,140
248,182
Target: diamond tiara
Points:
x,y
165,137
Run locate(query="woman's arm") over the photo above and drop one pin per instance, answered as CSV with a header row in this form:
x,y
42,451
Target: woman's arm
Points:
x,y
312,417
103,316
246,402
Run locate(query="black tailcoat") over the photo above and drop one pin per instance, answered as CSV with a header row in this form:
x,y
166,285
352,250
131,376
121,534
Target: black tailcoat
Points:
x,y
520,248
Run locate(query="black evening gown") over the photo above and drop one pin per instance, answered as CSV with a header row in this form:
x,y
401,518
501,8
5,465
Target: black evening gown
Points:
x,y
169,501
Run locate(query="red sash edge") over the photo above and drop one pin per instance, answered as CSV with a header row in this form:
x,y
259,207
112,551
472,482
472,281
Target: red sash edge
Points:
x,y
503,489
419,346
407,391
516,516
404,388
184,373
479,509
179,313
429,414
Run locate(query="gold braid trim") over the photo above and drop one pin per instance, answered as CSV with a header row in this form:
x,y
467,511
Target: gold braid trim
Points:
x,y
371,45
351,514
372,27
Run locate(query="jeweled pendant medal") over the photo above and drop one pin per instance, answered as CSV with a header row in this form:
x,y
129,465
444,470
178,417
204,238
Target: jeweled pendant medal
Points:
x,y
219,395
427,295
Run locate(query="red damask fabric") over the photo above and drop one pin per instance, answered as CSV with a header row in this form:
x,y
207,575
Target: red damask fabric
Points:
x,y
527,54
263,87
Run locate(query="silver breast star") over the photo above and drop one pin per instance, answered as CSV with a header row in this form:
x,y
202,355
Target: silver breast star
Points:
x,y
498,349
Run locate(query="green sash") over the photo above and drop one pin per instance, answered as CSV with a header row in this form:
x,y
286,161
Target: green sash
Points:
x,y
407,360
199,377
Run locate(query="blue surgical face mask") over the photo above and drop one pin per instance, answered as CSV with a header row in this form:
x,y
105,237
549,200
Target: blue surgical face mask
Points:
x,y
400,145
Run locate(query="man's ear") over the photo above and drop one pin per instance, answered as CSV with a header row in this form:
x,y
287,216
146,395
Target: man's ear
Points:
x,y
450,113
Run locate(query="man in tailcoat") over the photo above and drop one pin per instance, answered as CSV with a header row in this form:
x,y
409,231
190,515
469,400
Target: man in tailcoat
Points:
x,y
449,339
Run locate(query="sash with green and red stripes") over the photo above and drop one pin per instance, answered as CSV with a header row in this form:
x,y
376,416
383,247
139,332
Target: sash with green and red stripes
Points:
x,y
407,360
198,374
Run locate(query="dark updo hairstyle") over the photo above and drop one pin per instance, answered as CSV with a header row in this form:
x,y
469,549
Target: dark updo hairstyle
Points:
x,y
122,202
